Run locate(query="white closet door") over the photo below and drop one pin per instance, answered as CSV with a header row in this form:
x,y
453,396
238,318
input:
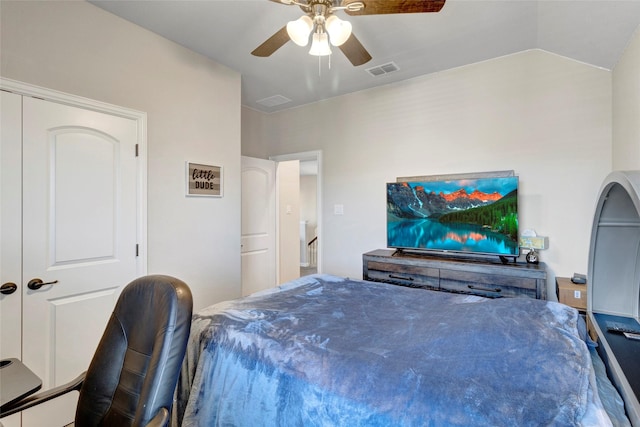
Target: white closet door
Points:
x,y
10,231
10,224
79,235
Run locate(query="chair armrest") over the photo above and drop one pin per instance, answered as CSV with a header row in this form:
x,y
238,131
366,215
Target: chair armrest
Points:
x,y
160,420
36,399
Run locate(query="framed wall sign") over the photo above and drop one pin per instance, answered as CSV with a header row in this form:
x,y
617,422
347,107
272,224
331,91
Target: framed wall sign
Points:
x,y
203,180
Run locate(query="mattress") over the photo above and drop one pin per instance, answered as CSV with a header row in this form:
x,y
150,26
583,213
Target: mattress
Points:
x,y
331,351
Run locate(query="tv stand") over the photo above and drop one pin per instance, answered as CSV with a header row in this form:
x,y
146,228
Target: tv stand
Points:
x,y
485,277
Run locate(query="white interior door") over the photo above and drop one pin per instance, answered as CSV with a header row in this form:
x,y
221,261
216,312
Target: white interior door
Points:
x,y
258,243
10,231
10,224
79,233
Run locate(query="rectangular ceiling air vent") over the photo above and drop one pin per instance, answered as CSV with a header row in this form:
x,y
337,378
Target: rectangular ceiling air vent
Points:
x,y
273,101
383,69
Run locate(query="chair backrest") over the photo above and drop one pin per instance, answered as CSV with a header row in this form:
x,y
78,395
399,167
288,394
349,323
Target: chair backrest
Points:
x,y
135,368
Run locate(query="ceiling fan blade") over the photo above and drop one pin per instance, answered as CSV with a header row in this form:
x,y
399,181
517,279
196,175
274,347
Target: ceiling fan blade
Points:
x,y
303,5
273,43
354,51
379,7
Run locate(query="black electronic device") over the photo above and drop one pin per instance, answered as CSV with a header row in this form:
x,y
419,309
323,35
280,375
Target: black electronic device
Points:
x,y
621,328
579,279
16,382
454,215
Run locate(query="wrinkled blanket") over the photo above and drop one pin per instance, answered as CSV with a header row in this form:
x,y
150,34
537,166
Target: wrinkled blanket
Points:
x,y
329,351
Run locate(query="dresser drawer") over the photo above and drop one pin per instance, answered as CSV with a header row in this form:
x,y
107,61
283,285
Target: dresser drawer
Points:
x,y
488,285
405,275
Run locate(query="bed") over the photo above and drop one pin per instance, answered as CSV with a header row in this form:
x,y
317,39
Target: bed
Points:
x,y
331,351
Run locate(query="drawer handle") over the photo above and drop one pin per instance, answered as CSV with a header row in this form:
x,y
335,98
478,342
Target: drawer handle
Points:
x,y
480,288
394,276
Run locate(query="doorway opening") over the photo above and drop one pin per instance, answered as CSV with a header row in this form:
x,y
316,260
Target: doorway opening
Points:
x,y
310,209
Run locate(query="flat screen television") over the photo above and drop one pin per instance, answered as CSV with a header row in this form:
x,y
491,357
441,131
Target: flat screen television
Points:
x,y
471,216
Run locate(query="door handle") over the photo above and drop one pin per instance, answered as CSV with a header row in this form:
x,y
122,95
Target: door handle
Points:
x,y
8,288
35,284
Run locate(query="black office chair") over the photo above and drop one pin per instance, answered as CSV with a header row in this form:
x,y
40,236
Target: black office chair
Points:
x,y
134,371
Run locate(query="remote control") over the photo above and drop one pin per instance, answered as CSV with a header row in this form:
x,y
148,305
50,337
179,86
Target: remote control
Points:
x,y
631,336
621,328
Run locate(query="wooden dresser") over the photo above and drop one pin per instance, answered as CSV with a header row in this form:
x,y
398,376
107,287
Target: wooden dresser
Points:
x,y
482,277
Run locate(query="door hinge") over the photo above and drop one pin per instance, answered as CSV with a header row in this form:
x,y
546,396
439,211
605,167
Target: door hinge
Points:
x,y
137,249
136,150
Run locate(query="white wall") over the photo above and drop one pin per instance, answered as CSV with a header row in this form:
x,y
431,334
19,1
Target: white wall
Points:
x,y
193,107
542,115
626,108
253,125
288,178
308,202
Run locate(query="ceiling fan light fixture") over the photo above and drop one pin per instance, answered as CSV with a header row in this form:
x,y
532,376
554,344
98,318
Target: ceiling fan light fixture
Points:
x,y
300,29
339,30
320,45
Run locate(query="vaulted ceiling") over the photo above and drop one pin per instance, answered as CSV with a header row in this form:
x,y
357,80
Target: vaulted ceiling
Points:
x,y
595,32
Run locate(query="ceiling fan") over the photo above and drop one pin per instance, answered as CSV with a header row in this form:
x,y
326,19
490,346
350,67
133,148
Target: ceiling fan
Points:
x,y
321,25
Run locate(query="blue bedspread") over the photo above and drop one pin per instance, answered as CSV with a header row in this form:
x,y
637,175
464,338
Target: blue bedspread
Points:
x,y
327,351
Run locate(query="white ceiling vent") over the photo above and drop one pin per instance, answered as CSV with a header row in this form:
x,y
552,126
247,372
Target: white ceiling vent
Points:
x,y
383,69
273,101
